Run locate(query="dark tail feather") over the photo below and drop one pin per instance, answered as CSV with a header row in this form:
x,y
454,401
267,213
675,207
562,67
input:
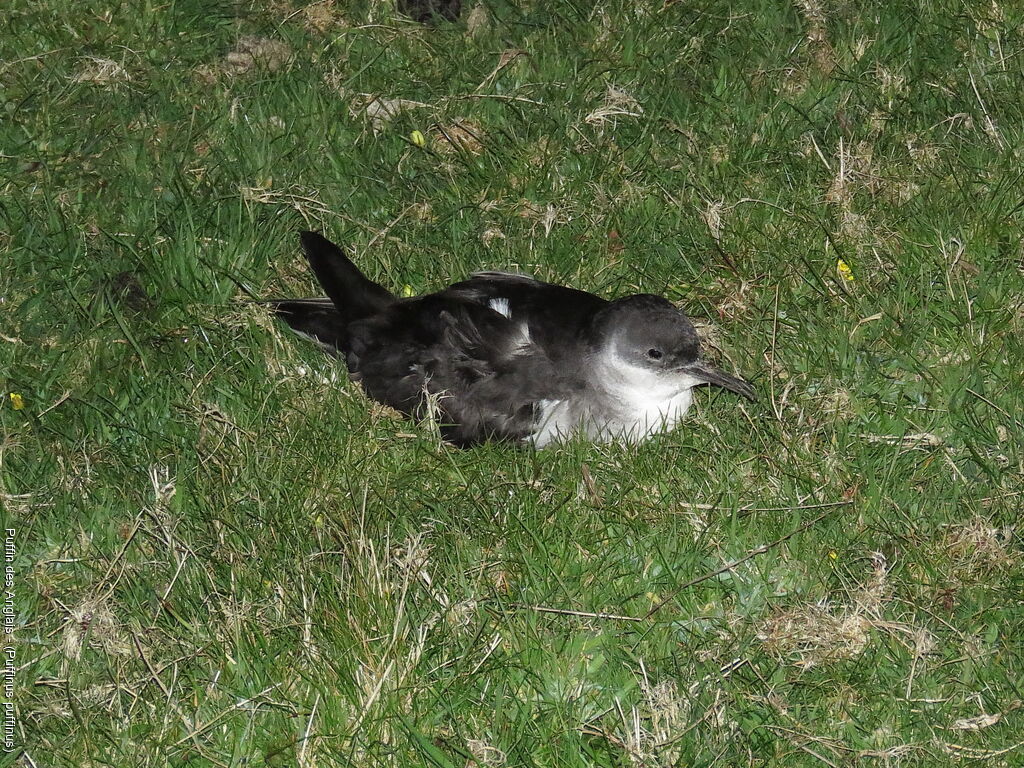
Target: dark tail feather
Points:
x,y
316,319
354,296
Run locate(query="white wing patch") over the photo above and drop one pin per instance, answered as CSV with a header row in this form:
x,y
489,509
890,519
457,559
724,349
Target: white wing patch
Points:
x,y
522,343
501,307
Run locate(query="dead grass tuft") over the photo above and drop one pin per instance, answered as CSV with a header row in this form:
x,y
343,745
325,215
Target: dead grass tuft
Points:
x,y
736,298
817,634
257,52
546,216
811,635
822,55
422,213
322,16
485,755
251,53
491,234
80,362
794,83
617,103
306,202
712,216
478,21
217,445
855,172
977,723
380,110
835,400
101,71
977,548
92,624
459,136
652,729
891,82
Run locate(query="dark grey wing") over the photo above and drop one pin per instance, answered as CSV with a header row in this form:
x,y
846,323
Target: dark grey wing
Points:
x,y
558,317
483,373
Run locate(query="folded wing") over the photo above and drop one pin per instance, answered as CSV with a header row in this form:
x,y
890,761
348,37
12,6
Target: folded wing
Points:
x,y
557,317
480,371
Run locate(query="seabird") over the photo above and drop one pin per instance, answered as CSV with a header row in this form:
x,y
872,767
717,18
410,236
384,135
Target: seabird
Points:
x,y
503,356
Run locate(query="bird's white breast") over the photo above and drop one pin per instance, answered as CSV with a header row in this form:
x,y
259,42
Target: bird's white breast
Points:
x,y
556,421
627,403
637,402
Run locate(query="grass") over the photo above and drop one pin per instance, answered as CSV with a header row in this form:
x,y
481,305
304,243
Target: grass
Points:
x,y
227,557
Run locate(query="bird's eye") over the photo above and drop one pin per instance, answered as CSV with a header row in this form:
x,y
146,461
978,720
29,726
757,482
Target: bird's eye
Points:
x,y
654,354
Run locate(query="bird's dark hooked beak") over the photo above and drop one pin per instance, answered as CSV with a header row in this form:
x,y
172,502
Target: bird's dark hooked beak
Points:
x,y
708,374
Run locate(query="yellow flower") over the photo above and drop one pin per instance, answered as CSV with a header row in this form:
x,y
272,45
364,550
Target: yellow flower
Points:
x,y
417,138
17,401
833,554
844,271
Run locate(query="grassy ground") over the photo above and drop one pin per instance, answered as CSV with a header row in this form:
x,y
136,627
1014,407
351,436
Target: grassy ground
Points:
x,y
227,557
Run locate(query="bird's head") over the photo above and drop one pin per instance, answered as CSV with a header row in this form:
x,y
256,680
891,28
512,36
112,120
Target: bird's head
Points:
x,y
646,333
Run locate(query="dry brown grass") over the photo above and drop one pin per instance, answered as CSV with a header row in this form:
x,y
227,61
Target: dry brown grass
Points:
x,y
380,110
976,549
101,71
652,729
458,136
93,622
820,633
822,55
251,53
617,103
